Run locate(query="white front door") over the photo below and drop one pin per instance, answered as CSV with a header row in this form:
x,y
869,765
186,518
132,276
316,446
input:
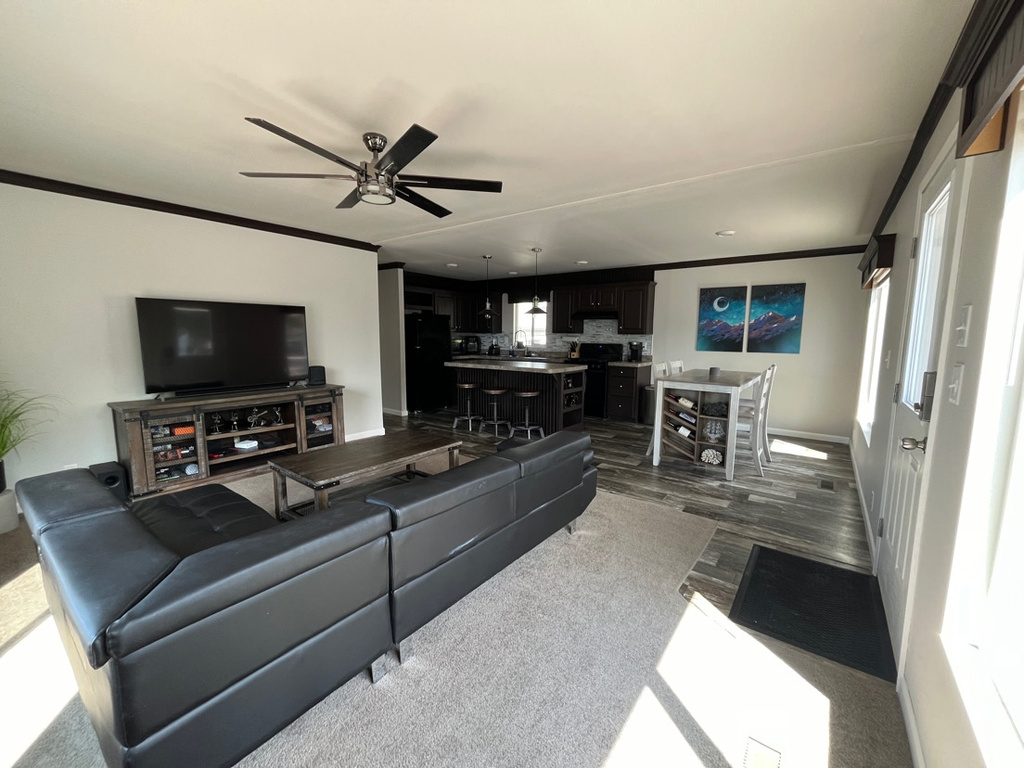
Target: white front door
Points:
x,y
906,465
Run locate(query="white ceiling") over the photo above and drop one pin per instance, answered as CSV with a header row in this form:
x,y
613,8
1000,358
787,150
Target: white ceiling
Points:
x,y
624,133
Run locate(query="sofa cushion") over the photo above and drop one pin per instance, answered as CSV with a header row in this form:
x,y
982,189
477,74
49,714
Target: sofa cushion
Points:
x,y
425,497
195,519
553,449
61,496
100,566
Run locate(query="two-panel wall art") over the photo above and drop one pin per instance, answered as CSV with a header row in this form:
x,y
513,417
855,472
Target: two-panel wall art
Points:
x,y
773,323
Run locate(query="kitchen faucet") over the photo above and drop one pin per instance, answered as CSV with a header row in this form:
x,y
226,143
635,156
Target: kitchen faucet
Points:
x,y
512,349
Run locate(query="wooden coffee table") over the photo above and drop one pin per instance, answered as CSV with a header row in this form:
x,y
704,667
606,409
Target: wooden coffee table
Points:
x,y
327,468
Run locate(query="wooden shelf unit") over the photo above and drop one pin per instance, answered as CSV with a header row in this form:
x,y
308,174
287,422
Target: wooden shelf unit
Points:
x,y
693,445
282,421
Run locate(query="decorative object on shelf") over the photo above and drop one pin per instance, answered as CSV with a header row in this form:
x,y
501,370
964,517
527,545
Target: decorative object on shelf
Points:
x,y
720,316
20,416
713,431
191,469
715,409
217,420
711,456
536,310
278,420
713,372
776,318
234,420
255,418
182,431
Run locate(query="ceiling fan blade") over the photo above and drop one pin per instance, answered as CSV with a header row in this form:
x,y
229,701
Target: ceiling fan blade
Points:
x,y
351,200
421,202
405,150
303,143
258,175
443,182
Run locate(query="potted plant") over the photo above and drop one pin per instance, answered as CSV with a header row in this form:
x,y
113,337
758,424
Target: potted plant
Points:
x,y
19,417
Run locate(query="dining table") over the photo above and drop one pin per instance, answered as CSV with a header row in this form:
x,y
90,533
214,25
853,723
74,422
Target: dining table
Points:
x,y
694,398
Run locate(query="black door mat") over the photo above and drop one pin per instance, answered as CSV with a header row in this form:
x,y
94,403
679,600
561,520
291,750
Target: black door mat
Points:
x,y
829,611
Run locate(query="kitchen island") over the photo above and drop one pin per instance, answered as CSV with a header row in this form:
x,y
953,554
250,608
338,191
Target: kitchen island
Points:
x,y
561,386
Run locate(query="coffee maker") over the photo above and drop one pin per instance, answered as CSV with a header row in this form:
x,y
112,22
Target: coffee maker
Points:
x,y
636,351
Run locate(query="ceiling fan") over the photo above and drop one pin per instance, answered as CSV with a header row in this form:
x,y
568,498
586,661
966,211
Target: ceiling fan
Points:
x,y
377,179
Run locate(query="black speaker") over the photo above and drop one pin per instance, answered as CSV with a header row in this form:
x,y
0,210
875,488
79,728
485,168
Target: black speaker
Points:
x,y
317,376
112,475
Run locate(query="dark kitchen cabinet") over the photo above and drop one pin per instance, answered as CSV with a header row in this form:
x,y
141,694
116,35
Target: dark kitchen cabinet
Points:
x,y
597,297
444,304
563,305
625,385
636,308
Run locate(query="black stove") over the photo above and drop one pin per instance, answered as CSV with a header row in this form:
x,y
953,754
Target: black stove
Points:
x,y
596,357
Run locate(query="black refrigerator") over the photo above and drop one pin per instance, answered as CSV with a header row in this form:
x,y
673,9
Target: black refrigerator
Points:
x,y
428,346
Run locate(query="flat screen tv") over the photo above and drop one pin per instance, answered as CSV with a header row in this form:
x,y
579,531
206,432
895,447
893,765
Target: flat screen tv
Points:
x,y
205,346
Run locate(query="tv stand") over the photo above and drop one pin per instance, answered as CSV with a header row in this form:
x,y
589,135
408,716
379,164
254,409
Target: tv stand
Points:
x,y
174,443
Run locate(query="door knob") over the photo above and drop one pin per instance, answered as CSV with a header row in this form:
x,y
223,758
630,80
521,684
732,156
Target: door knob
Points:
x,y
910,443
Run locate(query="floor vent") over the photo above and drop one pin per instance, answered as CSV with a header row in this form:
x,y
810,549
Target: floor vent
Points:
x,y
760,756
827,485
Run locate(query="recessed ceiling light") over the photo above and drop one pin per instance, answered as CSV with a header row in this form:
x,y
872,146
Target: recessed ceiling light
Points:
x,y
453,265
726,232
582,262
513,272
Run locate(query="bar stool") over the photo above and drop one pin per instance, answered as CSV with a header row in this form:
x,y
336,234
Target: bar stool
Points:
x,y
526,426
494,421
468,416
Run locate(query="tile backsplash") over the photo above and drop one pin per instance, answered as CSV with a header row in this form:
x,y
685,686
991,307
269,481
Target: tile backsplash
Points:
x,y
594,332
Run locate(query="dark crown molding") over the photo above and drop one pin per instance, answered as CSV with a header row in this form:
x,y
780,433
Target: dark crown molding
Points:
x,y
133,201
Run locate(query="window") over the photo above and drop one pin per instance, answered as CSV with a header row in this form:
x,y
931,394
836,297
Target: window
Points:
x,y
925,309
534,326
872,364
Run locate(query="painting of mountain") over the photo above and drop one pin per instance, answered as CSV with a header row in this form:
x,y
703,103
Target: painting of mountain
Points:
x,y
720,319
776,318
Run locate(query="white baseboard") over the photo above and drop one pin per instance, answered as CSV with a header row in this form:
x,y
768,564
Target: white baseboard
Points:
x,y
395,412
866,516
910,721
350,436
810,436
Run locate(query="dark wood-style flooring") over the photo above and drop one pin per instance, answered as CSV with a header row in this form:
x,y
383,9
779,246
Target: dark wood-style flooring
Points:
x,y
805,504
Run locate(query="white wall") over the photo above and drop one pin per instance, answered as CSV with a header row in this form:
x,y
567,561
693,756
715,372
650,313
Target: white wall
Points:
x,y
71,268
391,303
815,392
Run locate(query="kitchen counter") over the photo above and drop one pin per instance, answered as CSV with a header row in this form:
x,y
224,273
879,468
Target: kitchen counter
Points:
x,y
561,387
525,364
628,364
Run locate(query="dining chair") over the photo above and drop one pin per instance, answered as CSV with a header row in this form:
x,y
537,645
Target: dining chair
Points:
x,y
661,370
675,366
753,419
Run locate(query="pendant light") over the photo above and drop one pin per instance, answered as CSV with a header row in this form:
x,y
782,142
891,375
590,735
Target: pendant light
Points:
x,y
536,301
487,313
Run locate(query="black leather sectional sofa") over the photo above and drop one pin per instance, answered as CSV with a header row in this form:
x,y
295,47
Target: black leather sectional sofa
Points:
x,y
198,625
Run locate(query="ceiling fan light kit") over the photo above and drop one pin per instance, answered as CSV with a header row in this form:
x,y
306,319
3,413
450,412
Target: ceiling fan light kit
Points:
x,y
377,180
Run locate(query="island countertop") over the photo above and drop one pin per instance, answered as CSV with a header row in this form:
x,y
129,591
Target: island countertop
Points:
x,y
517,365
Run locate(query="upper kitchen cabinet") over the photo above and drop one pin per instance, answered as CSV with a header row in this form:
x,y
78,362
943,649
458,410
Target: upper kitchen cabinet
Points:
x,y
631,303
636,308
597,297
563,305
